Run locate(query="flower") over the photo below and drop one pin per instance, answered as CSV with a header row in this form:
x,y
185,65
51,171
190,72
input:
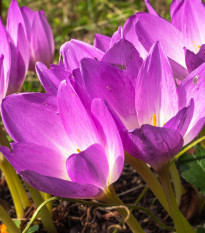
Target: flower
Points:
x,y
38,34
27,36
61,146
157,117
185,28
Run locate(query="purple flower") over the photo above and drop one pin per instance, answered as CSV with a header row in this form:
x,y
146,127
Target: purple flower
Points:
x,y
186,29
61,146
156,114
38,37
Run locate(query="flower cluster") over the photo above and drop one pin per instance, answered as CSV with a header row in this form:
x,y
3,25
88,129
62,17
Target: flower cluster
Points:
x,y
26,39
140,90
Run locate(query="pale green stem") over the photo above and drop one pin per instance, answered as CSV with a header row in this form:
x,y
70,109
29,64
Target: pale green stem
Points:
x,y
180,222
176,180
5,218
6,169
189,147
112,198
45,197
147,175
44,214
12,176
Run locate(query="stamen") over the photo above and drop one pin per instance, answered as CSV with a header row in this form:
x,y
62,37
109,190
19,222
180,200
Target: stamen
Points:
x,y
155,120
199,46
78,150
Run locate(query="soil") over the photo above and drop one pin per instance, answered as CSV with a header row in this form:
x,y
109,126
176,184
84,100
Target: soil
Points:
x,y
70,217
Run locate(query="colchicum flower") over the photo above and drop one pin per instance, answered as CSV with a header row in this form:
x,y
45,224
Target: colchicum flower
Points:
x,y
158,117
61,146
186,29
39,40
27,36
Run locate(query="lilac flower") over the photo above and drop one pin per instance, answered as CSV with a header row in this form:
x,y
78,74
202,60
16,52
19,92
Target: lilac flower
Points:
x,y
24,30
184,30
37,33
156,115
61,146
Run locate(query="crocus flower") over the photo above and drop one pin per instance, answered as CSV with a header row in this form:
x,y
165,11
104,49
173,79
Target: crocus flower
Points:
x,y
158,118
62,146
186,29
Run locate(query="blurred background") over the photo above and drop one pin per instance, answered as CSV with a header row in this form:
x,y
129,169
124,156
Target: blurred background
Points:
x,y
82,19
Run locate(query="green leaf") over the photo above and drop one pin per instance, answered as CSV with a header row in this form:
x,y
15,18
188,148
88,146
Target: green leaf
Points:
x,y
200,229
192,167
33,229
17,222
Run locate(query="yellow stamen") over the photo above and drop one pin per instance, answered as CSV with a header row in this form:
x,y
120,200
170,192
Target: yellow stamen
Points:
x,y
155,120
199,46
78,150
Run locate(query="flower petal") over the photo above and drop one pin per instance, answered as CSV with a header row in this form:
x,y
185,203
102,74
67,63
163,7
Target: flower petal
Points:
x,y
150,8
130,34
75,118
194,60
19,62
6,52
113,85
189,17
102,42
42,42
39,159
182,119
59,187
156,93
193,88
74,50
89,167
112,141
151,28
154,145
34,118
124,55
51,78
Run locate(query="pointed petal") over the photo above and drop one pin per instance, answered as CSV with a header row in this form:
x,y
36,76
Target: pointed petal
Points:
x,y
39,159
34,118
59,187
118,35
6,52
154,145
189,17
124,55
156,93
182,119
89,166
193,88
51,78
112,139
19,62
42,42
3,86
102,42
14,18
130,34
150,8
28,16
74,51
75,118
194,60
151,28
111,84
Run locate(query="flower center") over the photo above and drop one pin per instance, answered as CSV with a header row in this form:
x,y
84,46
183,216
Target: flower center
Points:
x,y
78,150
